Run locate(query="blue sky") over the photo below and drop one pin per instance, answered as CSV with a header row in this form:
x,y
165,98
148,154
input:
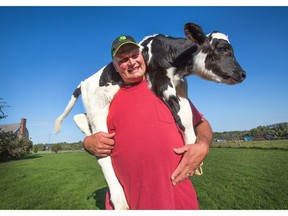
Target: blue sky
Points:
x,y
46,51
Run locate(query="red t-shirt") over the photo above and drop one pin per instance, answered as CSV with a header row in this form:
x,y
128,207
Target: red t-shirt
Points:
x,y
143,156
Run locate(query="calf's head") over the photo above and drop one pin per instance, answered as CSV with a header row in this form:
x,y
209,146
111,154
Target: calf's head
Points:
x,y
215,58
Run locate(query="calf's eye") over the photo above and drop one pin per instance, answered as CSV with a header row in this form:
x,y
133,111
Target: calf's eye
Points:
x,y
222,50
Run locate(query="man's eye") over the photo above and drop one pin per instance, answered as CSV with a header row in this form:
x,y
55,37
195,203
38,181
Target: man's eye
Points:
x,y
135,56
124,60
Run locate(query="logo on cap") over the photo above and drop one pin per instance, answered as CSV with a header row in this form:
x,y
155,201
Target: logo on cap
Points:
x,y
121,38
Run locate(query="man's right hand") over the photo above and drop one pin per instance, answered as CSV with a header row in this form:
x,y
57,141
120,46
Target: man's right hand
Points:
x,y
99,144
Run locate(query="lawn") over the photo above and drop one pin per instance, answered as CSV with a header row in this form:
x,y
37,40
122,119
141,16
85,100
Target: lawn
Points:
x,y
233,179
243,179
52,181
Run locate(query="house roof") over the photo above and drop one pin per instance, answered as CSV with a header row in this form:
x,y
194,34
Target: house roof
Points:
x,y
10,127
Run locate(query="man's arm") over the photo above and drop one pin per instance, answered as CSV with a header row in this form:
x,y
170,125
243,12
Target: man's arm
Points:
x,y
193,154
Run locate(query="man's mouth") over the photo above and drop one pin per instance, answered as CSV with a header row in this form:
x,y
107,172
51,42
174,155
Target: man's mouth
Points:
x,y
131,70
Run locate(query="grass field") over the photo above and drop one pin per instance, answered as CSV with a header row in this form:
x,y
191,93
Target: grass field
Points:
x,y
52,181
244,179
234,178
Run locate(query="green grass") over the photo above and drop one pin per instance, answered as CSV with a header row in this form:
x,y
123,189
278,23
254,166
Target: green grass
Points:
x,y
233,179
243,179
52,181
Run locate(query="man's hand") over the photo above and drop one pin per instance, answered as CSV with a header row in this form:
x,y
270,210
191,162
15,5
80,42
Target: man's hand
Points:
x,y
99,144
193,154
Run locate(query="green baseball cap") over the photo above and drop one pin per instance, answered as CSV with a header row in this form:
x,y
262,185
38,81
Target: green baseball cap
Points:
x,y
120,41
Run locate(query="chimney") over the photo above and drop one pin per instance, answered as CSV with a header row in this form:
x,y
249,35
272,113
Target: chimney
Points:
x,y
23,129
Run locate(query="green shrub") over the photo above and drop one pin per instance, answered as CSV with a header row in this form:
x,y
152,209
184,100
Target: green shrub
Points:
x,y
11,147
35,149
56,148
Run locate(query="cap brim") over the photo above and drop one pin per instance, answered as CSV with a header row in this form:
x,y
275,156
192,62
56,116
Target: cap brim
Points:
x,y
128,42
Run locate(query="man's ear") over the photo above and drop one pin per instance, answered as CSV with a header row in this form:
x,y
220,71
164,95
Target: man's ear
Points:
x,y
114,64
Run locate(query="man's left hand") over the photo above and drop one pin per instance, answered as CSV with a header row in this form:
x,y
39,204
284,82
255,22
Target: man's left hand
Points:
x,y
193,155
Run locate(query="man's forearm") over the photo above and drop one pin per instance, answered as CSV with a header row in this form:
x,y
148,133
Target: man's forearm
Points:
x,y
204,132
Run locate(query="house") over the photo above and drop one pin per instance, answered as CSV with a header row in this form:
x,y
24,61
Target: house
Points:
x,y
19,129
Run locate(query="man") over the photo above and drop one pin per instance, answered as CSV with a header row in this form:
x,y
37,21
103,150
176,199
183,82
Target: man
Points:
x,y
147,150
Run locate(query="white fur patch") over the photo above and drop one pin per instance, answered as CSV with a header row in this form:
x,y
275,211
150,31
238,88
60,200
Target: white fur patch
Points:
x,y
186,116
148,46
175,78
200,69
148,81
219,35
149,51
170,91
147,37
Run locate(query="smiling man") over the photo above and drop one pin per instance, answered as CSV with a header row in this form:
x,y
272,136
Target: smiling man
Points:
x,y
144,143
128,60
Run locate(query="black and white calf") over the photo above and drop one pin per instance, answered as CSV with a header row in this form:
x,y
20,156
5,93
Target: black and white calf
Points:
x,y
168,61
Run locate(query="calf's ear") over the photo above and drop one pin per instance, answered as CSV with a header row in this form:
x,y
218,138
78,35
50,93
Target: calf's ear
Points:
x,y
194,33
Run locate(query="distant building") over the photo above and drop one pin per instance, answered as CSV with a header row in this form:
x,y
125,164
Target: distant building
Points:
x,y
269,137
220,140
248,138
19,129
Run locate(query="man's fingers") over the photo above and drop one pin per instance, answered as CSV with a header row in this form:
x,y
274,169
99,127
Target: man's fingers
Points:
x,y
181,150
186,167
108,135
177,171
182,176
103,154
107,139
181,165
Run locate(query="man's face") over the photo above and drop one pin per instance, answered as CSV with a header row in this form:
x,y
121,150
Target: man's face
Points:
x,y
130,64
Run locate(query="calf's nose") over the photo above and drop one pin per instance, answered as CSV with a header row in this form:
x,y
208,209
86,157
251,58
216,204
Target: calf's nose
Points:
x,y
243,75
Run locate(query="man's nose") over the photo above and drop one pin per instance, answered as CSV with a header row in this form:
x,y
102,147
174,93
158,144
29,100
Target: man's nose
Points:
x,y
131,61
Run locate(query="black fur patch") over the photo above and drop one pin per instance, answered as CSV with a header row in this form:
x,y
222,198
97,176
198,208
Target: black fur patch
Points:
x,y
110,76
177,53
77,92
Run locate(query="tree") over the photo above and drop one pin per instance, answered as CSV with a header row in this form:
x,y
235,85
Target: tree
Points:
x,y
2,105
56,148
35,149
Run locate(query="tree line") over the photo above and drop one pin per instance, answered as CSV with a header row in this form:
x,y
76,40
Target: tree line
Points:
x,y
11,147
273,131
56,147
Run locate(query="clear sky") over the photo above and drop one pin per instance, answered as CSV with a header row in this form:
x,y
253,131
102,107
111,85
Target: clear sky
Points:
x,y
46,51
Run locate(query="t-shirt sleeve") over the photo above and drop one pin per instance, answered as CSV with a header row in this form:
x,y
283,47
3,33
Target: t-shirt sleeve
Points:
x,y
197,116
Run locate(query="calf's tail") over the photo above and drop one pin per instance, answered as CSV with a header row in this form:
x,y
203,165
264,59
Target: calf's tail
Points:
x,y
67,110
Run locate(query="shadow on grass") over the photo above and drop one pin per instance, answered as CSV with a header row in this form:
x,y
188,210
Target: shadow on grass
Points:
x,y
31,156
99,197
26,157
